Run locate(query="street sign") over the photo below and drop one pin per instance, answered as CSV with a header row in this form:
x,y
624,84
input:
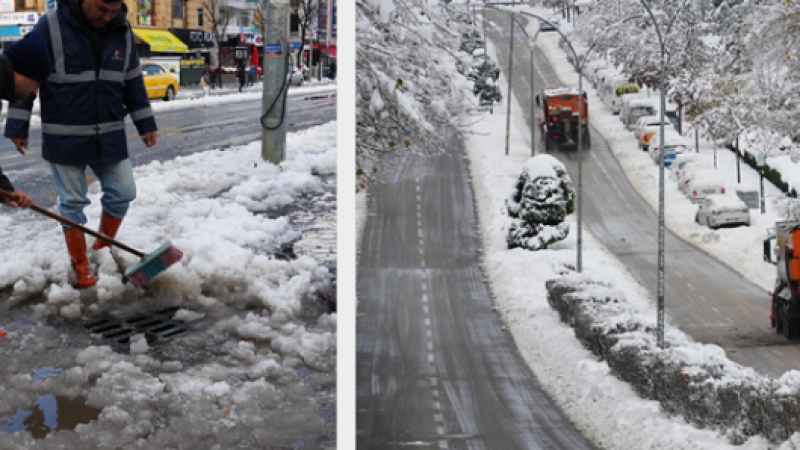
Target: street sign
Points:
x,y
272,50
760,160
669,158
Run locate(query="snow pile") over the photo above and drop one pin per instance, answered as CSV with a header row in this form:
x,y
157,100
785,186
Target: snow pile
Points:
x,y
210,205
694,380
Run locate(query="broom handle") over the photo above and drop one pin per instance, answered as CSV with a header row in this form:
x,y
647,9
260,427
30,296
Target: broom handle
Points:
x,y
72,224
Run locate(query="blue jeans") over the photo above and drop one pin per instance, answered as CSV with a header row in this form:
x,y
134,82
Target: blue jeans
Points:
x,y
116,181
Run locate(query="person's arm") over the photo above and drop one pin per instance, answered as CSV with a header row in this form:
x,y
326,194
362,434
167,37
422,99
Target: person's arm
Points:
x,y
136,101
22,198
19,114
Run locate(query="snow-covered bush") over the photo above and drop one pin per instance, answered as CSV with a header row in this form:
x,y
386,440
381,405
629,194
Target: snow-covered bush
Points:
x,y
484,76
544,196
471,40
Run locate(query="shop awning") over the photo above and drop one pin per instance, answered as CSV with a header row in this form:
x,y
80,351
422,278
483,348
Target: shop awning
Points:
x,y
161,41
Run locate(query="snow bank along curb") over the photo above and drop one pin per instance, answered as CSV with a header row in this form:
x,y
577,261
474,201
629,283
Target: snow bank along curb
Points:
x,y
694,380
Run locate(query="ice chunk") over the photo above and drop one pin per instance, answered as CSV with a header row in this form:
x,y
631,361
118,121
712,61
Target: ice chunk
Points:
x,y
139,344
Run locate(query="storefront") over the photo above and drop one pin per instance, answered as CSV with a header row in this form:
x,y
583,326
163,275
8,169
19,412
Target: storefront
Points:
x,y
13,26
244,48
200,43
161,46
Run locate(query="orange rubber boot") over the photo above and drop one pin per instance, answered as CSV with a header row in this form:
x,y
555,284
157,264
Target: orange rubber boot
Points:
x,y
108,226
76,245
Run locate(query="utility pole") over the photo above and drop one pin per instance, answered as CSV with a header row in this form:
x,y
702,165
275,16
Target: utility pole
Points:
x,y
508,94
273,142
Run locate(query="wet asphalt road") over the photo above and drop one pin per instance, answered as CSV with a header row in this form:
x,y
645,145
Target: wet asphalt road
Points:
x,y
703,297
435,369
181,132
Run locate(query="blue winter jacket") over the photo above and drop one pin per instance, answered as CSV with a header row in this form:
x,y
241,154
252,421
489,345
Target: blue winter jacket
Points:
x,y
86,98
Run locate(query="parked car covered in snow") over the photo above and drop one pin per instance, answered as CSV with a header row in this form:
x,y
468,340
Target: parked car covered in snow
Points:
x,y
635,106
681,164
674,143
600,76
699,184
651,130
719,210
594,66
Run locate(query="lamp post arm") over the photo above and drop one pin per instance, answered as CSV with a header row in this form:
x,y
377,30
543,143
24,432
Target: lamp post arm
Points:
x,y
555,28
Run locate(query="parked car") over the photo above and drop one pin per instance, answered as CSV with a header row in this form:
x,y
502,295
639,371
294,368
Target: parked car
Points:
x,y
701,183
635,106
600,76
674,143
718,210
547,27
593,67
681,164
647,127
650,137
685,169
159,82
295,76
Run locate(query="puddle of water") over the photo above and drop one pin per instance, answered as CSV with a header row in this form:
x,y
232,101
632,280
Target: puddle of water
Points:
x,y
49,413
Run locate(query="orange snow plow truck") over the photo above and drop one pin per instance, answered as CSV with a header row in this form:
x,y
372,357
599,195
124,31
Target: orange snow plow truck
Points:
x,y
560,127
782,248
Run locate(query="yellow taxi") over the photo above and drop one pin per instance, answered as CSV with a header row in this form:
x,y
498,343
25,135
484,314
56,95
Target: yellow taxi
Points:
x,y
159,82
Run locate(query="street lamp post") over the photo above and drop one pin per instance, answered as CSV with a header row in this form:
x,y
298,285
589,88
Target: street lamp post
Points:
x,y
660,332
532,90
582,99
508,100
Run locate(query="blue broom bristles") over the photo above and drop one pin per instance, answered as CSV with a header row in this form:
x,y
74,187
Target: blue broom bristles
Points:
x,y
153,264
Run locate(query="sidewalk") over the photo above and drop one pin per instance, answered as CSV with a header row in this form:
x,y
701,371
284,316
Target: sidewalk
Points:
x,y
231,86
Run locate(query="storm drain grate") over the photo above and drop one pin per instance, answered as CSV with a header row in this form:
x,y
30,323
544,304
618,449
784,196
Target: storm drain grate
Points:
x,y
156,326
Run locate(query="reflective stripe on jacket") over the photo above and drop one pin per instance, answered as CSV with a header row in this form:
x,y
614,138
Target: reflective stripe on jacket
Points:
x,y
83,103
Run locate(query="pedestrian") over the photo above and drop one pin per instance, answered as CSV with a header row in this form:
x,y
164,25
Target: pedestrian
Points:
x,y
23,67
241,75
213,76
83,118
251,78
206,75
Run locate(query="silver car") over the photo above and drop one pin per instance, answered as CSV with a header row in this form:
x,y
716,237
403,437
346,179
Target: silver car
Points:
x,y
721,210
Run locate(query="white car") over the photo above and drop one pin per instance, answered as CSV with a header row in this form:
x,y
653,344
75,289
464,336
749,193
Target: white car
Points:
x,y
547,27
700,184
720,210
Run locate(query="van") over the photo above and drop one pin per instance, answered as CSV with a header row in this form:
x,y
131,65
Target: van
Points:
x,y
634,107
600,77
615,89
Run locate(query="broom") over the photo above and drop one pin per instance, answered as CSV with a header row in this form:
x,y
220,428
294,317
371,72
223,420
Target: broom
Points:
x,y
150,265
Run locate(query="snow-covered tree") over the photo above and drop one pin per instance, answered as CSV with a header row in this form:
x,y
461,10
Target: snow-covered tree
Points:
x,y
544,196
407,79
484,75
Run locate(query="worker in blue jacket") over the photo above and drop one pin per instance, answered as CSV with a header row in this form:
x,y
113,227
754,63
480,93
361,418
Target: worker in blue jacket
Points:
x,y
96,82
